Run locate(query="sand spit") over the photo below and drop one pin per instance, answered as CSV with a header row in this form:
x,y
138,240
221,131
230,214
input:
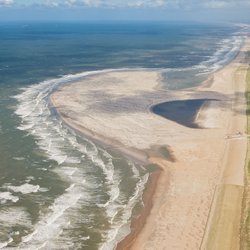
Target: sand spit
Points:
x,y
114,108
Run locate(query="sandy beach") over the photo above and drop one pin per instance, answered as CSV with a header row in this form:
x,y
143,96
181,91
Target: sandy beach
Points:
x,y
188,204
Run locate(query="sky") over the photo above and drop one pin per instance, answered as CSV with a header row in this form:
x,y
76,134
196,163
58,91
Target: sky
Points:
x,y
175,10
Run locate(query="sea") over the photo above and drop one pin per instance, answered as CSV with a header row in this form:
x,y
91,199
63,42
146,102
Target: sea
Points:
x,y
59,190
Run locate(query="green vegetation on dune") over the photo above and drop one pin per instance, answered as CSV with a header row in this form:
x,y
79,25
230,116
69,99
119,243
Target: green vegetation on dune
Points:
x,y
245,244
224,226
248,98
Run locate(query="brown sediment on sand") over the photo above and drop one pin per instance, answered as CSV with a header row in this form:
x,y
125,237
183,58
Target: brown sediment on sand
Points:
x,y
114,109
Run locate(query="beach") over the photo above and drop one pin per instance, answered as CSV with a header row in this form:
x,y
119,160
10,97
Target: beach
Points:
x,y
203,162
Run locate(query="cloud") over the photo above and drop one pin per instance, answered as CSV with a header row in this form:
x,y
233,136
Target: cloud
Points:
x,y
100,3
213,4
177,4
6,2
122,3
168,4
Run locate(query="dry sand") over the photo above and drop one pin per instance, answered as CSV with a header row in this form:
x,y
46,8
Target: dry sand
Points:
x,y
114,108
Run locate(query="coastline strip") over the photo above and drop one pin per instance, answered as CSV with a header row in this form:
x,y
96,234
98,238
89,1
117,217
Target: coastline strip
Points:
x,y
224,221
138,222
138,156
245,230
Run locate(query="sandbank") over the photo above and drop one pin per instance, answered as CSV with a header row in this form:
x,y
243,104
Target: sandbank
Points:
x,y
187,203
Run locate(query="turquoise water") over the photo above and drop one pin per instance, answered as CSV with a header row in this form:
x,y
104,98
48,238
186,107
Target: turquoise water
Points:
x,y
59,190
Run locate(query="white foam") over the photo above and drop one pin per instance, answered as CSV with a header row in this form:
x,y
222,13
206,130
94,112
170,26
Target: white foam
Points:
x,y
15,233
30,178
50,225
112,179
60,159
43,189
134,170
73,160
18,158
43,169
121,229
36,119
114,193
86,238
58,143
25,127
7,196
6,243
29,237
67,171
13,216
24,189
228,49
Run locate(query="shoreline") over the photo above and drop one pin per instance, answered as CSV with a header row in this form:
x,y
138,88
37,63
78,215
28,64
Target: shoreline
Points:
x,y
138,222
140,226
114,146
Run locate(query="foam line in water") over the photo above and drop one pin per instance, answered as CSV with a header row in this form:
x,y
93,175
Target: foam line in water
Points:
x,y
135,171
24,189
7,196
51,224
18,158
121,229
112,179
6,243
60,144
14,216
228,49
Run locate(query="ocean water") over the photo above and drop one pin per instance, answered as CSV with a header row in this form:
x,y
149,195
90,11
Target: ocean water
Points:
x,y
59,190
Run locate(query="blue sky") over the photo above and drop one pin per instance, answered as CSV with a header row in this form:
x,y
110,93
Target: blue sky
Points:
x,y
195,10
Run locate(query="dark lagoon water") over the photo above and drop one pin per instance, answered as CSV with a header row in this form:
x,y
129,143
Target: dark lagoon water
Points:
x,y
183,112
61,191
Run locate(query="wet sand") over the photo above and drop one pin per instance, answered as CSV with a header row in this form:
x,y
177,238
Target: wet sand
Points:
x,y
114,108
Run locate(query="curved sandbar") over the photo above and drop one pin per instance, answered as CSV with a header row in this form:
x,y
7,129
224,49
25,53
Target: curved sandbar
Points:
x,y
115,108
